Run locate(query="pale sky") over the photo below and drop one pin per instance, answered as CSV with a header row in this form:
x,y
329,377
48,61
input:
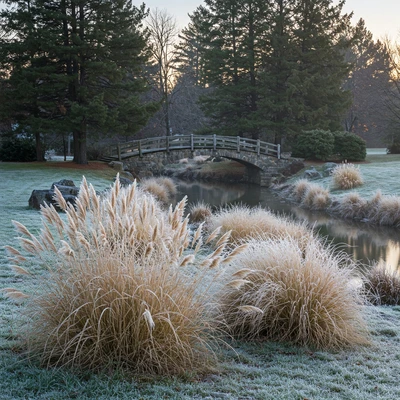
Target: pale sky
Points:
x,y
382,17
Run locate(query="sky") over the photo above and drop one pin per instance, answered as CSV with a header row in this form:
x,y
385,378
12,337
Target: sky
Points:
x,y
381,16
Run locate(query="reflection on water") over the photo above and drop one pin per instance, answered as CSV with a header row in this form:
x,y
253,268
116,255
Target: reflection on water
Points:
x,y
365,243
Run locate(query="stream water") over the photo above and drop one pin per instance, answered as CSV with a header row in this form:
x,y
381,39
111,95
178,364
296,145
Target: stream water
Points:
x,y
365,243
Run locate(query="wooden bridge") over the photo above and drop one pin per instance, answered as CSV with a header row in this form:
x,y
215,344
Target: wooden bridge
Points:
x,y
138,148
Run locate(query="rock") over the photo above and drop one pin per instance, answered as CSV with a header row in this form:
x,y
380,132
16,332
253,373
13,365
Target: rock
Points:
x,y
42,197
117,165
63,182
312,173
124,181
327,168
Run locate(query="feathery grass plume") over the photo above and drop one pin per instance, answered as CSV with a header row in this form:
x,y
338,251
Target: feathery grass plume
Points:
x,y
382,285
351,206
315,197
346,176
303,295
299,189
115,293
246,223
199,212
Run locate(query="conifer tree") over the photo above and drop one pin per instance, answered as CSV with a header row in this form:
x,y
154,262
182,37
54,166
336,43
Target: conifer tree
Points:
x,y
75,66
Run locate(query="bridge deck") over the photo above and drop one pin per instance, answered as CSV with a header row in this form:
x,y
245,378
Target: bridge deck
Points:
x,y
138,148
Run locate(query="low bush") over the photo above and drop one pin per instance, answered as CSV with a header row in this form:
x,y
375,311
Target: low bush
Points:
x,y
120,289
314,145
283,292
346,176
17,149
382,284
349,146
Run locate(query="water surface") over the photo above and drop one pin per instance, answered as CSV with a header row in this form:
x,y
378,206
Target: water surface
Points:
x,y
365,243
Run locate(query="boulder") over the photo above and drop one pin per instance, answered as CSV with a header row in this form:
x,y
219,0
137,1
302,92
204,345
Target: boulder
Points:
x,y
46,196
312,173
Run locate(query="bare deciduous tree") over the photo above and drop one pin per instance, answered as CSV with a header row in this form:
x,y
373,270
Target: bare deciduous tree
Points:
x,y
163,33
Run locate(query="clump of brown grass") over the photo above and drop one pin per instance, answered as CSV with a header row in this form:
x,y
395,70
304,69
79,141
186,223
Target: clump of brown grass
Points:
x,y
347,176
245,223
352,206
121,287
162,188
315,197
299,189
281,291
382,285
199,212
387,212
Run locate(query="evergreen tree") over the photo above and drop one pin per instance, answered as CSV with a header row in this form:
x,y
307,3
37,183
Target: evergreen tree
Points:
x,y
275,67
75,66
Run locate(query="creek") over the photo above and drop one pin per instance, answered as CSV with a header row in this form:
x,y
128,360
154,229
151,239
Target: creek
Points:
x,y
365,243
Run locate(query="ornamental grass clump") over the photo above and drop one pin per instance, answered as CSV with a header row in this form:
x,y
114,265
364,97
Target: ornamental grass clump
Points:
x,y
299,189
279,291
122,287
346,176
352,206
315,197
387,212
382,285
199,212
245,223
162,188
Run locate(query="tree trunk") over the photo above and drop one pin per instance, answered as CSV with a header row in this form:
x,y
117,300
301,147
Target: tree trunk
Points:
x,y
39,148
80,156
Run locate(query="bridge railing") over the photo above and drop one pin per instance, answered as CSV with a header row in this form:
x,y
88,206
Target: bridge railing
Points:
x,y
193,142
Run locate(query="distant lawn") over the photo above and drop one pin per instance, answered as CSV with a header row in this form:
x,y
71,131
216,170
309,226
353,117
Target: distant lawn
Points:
x,y
260,370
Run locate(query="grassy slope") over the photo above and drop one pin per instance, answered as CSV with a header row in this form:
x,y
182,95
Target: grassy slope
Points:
x,y
252,371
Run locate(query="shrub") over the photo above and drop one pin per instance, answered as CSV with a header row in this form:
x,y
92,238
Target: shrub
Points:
x,y
280,291
349,146
199,212
119,289
315,145
346,176
383,285
18,149
245,223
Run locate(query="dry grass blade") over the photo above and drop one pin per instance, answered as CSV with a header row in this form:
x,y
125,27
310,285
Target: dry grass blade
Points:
x,y
20,270
22,229
250,309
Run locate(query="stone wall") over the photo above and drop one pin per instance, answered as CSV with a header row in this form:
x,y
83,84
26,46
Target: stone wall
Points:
x,y
260,169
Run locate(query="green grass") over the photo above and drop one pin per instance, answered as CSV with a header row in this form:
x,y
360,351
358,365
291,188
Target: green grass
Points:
x,y
258,370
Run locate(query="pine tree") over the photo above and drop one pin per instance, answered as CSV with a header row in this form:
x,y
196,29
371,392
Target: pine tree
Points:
x,y
76,66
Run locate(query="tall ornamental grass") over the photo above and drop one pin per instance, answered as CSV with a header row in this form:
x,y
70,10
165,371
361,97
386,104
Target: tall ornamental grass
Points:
x,y
347,176
284,292
383,285
123,286
245,223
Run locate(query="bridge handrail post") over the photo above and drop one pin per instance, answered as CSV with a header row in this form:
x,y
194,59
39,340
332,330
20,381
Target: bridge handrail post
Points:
x,y
167,143
258,147
238,144
278,151
191,142
140,149
215,142
119,151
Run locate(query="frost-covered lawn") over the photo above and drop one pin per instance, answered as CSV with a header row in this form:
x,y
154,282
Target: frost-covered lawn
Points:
x,y
250,371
